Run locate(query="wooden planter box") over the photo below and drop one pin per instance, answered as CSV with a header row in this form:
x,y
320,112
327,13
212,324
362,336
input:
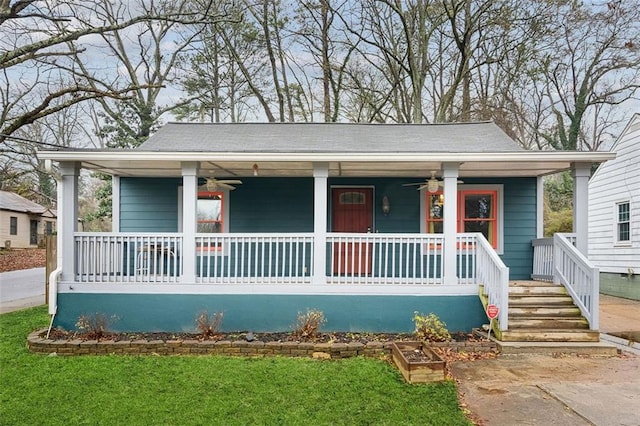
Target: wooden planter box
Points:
x,y
417,362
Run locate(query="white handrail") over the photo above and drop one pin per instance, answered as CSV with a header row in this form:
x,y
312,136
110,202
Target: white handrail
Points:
x,y
493,274
581,279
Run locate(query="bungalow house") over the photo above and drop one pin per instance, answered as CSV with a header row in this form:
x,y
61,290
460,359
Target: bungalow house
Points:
x,y
23,223
614,216
365,222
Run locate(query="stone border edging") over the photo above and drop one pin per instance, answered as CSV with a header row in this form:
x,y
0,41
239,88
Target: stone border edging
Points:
x,y
40,345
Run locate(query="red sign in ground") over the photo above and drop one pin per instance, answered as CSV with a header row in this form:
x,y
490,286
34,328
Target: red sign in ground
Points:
x,y
492,311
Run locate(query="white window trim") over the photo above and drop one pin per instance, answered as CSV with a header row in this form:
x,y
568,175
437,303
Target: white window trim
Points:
x,y
225,209
616,241
499,188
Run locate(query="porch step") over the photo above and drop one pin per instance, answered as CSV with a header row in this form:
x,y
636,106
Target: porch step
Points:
x,y
539,300
538,290
550,323
544,311
580,348
552,347
549,335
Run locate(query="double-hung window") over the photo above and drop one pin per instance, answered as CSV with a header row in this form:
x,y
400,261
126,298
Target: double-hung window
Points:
x,y
479,210
623,222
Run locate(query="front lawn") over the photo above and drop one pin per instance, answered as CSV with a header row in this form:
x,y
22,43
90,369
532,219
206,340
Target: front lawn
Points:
x,y
184,390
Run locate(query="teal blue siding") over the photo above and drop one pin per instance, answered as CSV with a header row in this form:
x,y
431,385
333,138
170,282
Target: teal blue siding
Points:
x,y
149,204
264,204
174,313
519,226
272,205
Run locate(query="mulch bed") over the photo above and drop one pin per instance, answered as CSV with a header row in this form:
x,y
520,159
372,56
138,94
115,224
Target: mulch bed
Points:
x,y
328,337
17,259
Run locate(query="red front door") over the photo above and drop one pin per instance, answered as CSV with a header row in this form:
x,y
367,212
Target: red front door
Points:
x,y
352,211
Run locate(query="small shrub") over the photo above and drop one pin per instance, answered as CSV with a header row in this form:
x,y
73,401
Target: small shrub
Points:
x,y
95,326
308,324
209,325
430,327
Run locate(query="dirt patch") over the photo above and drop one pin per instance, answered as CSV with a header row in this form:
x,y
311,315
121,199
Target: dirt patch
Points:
x,y
17,259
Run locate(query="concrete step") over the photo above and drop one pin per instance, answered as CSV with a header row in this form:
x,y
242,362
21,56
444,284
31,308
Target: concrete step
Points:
x,y
539,300
550,335
549,323
544,311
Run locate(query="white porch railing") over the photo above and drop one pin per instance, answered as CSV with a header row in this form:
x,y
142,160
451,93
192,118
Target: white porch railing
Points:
x,y
270,258
127,257
254,258
384,258
493,274
542,259
581,279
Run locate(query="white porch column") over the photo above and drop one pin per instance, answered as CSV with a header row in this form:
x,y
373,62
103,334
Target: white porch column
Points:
x,y
68,217
189,220
115,204
320,175
539,207
450,177
581,173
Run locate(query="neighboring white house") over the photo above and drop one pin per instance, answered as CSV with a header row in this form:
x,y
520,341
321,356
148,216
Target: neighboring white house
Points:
x,y
614,216
23,223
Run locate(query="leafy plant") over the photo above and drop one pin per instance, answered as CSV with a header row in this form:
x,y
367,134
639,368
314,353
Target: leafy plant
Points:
x,y
209,325
95,326
308,324
430,327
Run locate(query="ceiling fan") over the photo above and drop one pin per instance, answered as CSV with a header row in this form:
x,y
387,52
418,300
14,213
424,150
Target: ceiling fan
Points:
x,y
432,184
213,184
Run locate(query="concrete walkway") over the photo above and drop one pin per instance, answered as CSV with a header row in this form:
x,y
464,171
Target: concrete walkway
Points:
x,y
559,389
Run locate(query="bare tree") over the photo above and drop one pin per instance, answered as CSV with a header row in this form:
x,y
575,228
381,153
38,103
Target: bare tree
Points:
x,y
593,61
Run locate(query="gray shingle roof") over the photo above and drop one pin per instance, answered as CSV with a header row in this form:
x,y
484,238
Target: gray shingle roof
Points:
x,y
16,203
330,137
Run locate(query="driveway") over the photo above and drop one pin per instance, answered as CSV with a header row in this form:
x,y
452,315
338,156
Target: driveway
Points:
x,y
551,390
21,289
559,389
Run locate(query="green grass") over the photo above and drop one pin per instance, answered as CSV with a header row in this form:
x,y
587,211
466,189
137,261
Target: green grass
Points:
x,y
190,390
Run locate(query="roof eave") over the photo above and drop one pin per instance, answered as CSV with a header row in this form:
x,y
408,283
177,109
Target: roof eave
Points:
x,y
460,157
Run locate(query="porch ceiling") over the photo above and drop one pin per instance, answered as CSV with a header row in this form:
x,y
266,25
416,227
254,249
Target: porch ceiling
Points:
x,y
152,164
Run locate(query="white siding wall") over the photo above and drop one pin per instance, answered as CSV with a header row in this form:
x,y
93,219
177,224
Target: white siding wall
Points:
x,y
616,181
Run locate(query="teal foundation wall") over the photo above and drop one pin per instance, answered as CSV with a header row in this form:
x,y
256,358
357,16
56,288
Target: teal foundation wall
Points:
x,y
620,285
175,313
